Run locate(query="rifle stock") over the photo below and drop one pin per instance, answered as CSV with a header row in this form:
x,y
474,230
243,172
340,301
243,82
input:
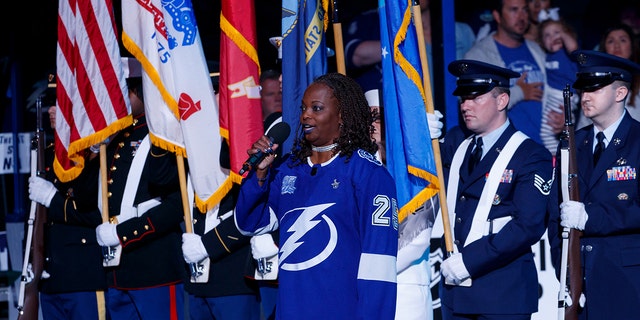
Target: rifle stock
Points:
x,y
571,270
28,301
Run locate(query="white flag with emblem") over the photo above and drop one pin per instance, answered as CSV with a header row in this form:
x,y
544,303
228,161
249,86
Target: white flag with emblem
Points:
x,y
180,103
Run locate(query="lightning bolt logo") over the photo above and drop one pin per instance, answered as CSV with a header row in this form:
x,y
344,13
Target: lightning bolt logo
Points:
x,y
303,224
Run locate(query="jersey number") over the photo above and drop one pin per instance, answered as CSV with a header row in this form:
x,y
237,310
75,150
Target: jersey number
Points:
x,y
380,217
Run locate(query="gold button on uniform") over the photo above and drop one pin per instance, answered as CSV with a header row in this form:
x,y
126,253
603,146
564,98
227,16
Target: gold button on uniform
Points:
x,y
83,240
113,168
146,227
121,144
135,232
116,156
124,238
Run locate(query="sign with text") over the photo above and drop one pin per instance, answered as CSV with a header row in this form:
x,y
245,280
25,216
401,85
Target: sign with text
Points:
x,y
8,152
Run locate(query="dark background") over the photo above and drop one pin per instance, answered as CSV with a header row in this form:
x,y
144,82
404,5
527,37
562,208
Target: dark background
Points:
x,y
28,41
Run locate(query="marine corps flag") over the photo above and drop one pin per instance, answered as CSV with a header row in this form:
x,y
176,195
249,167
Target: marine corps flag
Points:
x,y
91,91
240,107
304,54
410,158
180,105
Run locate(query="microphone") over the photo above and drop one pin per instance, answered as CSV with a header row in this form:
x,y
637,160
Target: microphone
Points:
x,y
278,134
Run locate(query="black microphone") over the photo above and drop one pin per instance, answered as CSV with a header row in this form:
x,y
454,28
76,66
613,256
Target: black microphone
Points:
x,y
278,134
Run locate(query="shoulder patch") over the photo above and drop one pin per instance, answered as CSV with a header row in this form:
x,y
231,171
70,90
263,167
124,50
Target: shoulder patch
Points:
x,y
368,156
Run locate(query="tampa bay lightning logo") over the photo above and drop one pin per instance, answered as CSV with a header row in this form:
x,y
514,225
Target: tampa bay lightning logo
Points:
x,y
183,21
308,219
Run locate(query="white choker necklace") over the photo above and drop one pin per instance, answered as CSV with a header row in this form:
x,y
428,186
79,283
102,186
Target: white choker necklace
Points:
x,y
324,148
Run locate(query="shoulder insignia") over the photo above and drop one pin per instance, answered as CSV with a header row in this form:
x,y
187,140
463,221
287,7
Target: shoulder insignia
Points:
x,y
368,156
542,185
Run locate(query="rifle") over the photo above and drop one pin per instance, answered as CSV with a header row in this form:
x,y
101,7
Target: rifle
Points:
x,y
570,268
28,299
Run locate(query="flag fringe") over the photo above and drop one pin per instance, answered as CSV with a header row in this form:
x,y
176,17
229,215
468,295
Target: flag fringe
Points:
x,y
400,59
76,149
166,145
152,73
416,202
429,191
216,197
236,37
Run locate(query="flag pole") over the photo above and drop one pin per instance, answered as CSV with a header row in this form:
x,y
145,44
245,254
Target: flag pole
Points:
x,y
426,80
337,37
188,224
186,208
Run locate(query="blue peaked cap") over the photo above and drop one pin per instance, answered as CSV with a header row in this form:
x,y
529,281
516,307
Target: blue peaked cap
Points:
x,y
476,77
598,69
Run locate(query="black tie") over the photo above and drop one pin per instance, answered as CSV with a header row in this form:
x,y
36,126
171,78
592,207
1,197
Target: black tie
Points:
x,y
476,154
599,148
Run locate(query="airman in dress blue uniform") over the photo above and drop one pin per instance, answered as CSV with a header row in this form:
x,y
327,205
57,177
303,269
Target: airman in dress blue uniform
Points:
x,y
608,212
497,205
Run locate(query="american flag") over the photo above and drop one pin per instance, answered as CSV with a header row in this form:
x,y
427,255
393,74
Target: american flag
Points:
x,y
91,90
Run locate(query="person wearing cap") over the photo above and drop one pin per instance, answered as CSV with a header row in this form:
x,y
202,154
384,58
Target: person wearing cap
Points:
x,y
498,184
608,212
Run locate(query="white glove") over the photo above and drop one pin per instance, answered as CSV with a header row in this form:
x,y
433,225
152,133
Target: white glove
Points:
x,y
573,215
41,191
262,246
193,249
453,269
107,235
435,125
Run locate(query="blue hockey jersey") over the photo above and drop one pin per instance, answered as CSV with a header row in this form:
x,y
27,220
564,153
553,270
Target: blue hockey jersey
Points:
x,y
338,236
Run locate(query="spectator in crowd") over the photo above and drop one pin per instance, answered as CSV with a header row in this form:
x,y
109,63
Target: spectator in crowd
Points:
x,y
335,205
608,210
498,183
537,9
620,41
363,54
507,47
559,40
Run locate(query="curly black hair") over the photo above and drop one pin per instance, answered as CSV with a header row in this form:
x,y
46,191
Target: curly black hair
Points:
x,y
357,119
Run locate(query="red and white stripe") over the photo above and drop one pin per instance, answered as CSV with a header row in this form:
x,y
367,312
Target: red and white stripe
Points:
x,y
91,90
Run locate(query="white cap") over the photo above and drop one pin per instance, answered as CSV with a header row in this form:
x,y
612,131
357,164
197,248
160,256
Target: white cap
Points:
x,y
373,98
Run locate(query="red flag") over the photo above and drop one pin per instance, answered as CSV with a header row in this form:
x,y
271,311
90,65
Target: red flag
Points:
x,y
240,109
92,97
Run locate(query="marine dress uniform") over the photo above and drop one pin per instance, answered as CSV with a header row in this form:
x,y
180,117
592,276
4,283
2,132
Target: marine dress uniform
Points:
x,y
610,192
498,209
147,283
